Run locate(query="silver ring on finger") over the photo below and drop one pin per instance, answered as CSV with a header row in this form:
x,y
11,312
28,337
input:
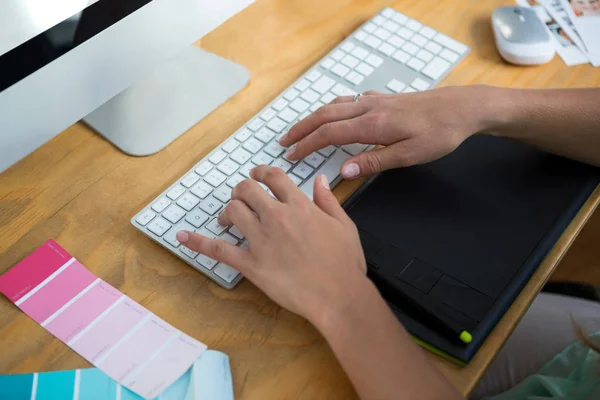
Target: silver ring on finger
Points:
x,y
357,97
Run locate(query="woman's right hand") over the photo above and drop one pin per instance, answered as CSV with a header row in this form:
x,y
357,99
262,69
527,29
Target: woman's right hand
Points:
x,y
415,128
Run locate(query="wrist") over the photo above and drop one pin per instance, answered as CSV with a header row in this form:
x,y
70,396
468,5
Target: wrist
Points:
x,y
498,109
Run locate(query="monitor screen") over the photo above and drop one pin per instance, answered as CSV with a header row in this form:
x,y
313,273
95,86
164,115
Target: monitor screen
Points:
x,y
34,33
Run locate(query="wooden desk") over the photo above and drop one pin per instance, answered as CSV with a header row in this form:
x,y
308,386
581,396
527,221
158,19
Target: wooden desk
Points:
x,y
81,191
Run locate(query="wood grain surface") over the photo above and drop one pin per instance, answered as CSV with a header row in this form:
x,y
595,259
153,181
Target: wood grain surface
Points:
x,y
81,191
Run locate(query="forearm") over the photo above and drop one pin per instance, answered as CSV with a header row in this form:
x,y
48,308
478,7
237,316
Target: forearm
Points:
x,y
560,121
379,356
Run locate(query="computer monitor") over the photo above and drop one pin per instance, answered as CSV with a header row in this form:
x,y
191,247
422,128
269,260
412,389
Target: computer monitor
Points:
x,y
126,66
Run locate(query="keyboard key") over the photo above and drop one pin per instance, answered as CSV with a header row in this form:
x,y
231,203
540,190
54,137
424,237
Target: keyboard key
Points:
x,y
226,273
295,179
277,125
264,135
252,145
433,47
303,115
410,48
217,157
206,262
174,213
405,33
234,180
374,60
282,164
365,69
396,41
355,148
382,34
327,64
418,40
159,206
360,36
369,28
314,160
299,105
424,55
341,90
215,178
388,13
203,168
171,236
331,169
338,55
391,26
188,201
436,68
395,86
223,193
372,41
323,85
274,149
449,55
379,20
228,167
188,252
414,25
159,226
427,32
268,114
409,90
401,56
211,205
255,124
240,156
291,94
288,115
350,61
450,43
347,47
235,231
230,146
340,70
245,170
229,239
262,159
304,84
281,103
314,74
302,170
206,233
190,179
360,53
420,84
327,151
197,218
174,193
243,134
310,96
387,49
328,97
215,227
400,18
415,64
146,216
352,77
201,190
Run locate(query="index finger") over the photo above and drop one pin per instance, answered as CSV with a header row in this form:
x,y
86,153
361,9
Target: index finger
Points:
x,y
328,113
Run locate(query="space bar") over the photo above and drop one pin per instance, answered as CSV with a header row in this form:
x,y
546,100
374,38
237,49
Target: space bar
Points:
x,y
331,169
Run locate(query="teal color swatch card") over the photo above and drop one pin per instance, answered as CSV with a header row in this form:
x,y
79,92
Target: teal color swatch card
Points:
x,y
209,378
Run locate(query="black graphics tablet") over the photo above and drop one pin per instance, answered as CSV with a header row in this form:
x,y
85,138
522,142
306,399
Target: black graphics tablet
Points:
x,y
467,231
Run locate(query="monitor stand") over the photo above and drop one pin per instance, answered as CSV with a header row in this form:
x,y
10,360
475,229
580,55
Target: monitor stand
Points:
x,y
161,106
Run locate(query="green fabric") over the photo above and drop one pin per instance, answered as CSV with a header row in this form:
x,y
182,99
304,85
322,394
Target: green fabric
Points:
x,y
574,374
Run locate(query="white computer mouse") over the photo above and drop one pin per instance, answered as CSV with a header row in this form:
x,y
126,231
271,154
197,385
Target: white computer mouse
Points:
x,y
521,36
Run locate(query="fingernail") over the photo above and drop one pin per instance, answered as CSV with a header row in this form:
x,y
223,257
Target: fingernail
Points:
x,y
291,152
282,138
182,236
325,182
351,170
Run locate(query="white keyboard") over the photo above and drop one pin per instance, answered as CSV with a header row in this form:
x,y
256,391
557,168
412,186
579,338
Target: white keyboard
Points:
x,y
390,53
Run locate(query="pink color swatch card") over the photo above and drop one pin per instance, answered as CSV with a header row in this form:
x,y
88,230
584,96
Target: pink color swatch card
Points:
x,y
123,339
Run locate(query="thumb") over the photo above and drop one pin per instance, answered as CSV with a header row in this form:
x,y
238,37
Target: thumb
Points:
x,y
374,161
325,200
